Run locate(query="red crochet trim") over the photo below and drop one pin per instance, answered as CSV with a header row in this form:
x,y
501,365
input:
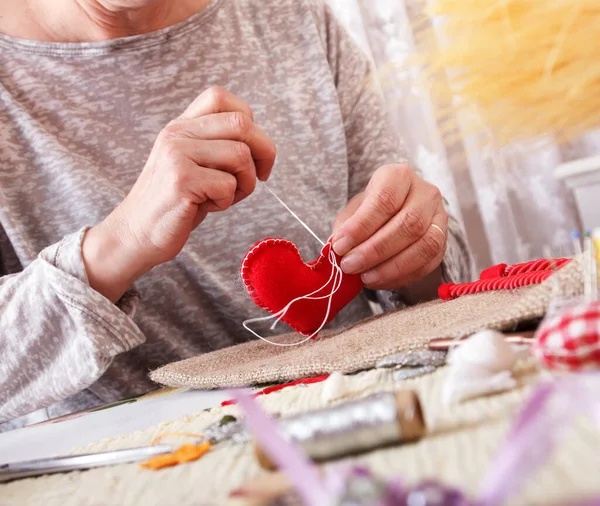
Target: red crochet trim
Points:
x,y
505,277
503,270
275,388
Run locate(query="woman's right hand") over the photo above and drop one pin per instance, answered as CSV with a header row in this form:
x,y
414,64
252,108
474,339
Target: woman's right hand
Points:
x,y
204,161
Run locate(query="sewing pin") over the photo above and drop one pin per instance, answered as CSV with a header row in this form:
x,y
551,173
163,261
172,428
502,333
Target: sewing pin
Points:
x,y
588,268
593,254
445,343
576,236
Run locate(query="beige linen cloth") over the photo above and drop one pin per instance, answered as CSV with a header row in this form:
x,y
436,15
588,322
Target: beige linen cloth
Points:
x,y
363,345
462,441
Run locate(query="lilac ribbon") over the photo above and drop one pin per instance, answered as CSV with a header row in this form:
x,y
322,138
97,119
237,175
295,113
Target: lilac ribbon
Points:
x,y
536,432
298,468
528,446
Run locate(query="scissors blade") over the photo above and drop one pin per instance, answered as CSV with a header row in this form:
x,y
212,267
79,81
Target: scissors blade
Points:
x,y
39,467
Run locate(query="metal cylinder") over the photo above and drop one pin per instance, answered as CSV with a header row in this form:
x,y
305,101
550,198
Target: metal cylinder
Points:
x,y
354,427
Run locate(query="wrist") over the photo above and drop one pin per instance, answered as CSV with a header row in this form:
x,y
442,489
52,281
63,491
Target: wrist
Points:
x,y
423,290
111,262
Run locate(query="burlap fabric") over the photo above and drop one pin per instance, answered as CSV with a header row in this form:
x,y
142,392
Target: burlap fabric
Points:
x,y
360,347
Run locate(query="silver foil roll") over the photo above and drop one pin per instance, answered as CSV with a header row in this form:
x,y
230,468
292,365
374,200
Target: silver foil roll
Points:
x,y
354,427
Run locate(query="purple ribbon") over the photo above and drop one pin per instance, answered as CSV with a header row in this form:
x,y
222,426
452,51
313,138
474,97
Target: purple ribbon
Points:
x,y
290,460
536,431
534,435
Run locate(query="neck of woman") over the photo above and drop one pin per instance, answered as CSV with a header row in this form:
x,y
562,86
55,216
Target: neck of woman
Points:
x,y
92,20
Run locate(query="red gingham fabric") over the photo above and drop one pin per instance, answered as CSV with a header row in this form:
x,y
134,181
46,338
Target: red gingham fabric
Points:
x,y
571,340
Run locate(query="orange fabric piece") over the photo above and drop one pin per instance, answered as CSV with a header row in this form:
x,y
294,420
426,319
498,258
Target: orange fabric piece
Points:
x,y
187,453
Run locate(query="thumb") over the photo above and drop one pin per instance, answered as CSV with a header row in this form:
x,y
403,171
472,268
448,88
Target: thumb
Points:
x,y
348,211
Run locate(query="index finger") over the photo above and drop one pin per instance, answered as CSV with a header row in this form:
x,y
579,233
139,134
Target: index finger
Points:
x,y
214,101
231,126
384,197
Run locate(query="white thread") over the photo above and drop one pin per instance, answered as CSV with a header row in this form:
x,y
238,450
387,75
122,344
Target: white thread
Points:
x,y
294,215
336,276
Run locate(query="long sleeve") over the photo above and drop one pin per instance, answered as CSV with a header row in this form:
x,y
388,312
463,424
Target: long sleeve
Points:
x,y
372,142
57,335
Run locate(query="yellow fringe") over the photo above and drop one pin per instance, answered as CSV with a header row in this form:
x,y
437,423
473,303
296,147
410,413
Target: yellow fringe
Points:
x,y
527,67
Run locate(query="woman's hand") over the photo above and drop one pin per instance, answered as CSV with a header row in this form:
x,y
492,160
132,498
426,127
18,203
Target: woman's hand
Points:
x,y
395,232
205,161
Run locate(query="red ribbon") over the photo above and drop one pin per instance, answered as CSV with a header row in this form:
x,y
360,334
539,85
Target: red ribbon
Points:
x,y
504,277
276,388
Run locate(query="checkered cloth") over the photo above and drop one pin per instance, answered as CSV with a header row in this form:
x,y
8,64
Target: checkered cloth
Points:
x,y
570,341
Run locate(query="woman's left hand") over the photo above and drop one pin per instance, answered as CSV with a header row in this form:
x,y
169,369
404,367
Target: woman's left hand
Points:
x,y
394,233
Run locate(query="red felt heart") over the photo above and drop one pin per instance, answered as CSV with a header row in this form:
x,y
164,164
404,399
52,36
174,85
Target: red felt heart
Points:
x,y
275,274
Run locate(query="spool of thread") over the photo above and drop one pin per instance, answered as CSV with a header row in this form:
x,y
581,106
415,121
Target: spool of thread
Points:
x,y
354,427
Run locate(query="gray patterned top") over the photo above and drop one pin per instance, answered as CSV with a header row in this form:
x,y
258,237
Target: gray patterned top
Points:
x,y
77,122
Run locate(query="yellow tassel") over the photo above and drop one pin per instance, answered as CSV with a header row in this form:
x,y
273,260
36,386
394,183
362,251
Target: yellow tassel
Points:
x,y
526,68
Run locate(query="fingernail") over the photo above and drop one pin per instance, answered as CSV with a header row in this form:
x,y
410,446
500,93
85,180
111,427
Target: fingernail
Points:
x,y
342,246
370,278
352,263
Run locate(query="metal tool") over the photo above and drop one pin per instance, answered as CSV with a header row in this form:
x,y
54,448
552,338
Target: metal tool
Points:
x,y
525,338
40,467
